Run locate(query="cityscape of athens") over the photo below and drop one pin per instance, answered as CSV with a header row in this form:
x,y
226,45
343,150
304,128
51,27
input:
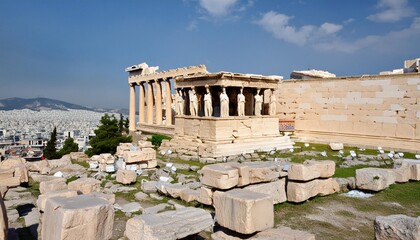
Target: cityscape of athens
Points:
x,y
210,119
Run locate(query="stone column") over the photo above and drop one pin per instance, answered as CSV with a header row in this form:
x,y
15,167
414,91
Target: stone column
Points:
x,y
132,109
168,103
141,104
149,103
158,100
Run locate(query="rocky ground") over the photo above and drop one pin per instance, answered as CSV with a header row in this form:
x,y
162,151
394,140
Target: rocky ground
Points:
x,y
330,217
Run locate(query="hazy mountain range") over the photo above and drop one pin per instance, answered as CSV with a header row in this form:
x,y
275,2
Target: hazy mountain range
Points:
x,y
37,104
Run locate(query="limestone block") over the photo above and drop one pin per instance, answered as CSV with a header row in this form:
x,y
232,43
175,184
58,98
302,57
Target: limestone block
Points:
x,y
10,182
62,162
243,172
221,176
105,196
42,199
284,233
413,165
397,227
169,225
189,195
85,185
145,144
145,154
6,173
22,173
78,217
151,163
302,191
402,174
311,169
4,226
149,186
244,211
374,179
276,190
263,171
106,158
126,176
52,185
37,166
11,162
206,196
336,146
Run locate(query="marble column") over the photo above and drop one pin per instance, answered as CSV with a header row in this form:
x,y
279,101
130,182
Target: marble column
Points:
x,y
149,103
168,103
132,109
142,113
158,101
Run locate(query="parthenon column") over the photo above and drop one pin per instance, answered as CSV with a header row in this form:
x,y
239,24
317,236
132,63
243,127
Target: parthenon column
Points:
x,y
141,103
132,113
158,102
149,103
168,103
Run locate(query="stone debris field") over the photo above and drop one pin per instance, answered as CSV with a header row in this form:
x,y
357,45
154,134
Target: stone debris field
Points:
x,y
143,193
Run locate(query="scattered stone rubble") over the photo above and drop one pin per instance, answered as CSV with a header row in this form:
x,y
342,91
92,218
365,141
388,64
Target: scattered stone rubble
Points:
x,y
397,227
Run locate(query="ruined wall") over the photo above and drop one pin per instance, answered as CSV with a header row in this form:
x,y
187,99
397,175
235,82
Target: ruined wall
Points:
x,y
365,111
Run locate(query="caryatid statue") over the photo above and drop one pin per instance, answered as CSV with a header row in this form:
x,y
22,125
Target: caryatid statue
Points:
x,y
241,103
258,103
273,103
208,106
224,103
193,103
180,103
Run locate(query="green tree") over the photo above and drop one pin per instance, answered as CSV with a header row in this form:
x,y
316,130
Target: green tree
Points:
x,y
50,151
121,126
126,125
108,137
69,146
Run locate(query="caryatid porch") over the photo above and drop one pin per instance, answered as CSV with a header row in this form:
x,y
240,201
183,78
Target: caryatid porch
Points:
x,y
155,98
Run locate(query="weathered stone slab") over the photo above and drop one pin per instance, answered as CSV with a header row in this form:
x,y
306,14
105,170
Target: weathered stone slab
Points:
x,y
311,169
413,165
42,199
149,186
62,162
402,174
302,191
11,162
397,227
205,196
106,158
79,217
243,172
374,179
145,154
42,166
52,185
168,225
283,233
110,197
4,225
189,195
336,146
221,176
126,176
263,171
244,211
85,185
276,189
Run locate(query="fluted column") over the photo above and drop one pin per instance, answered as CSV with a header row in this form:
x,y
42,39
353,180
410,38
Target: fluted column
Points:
x,y
149,103
168,103
132,114
141,104
158,103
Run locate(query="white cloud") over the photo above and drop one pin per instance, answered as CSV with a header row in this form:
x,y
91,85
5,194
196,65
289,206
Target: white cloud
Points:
x,y
350,20
392,11
193,25
330,28
278,25
391,41
217,8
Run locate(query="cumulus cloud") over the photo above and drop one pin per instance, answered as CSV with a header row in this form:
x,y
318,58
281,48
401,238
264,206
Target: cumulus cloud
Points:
x,y
217,8
392,11
386,42
278,25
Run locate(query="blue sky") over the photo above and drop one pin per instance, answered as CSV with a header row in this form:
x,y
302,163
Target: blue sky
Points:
x,y
77,50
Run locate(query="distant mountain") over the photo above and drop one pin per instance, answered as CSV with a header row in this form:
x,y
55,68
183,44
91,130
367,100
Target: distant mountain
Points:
x,y
37,104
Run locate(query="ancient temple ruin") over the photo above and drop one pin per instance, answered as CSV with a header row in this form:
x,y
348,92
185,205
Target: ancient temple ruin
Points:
x,y
217,114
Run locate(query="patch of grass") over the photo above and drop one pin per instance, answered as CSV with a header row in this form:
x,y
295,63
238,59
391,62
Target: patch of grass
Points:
x,y
345,213
33,187
406,194
83,164
118,214
129,196
71,179
191,163
347,172
187,172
